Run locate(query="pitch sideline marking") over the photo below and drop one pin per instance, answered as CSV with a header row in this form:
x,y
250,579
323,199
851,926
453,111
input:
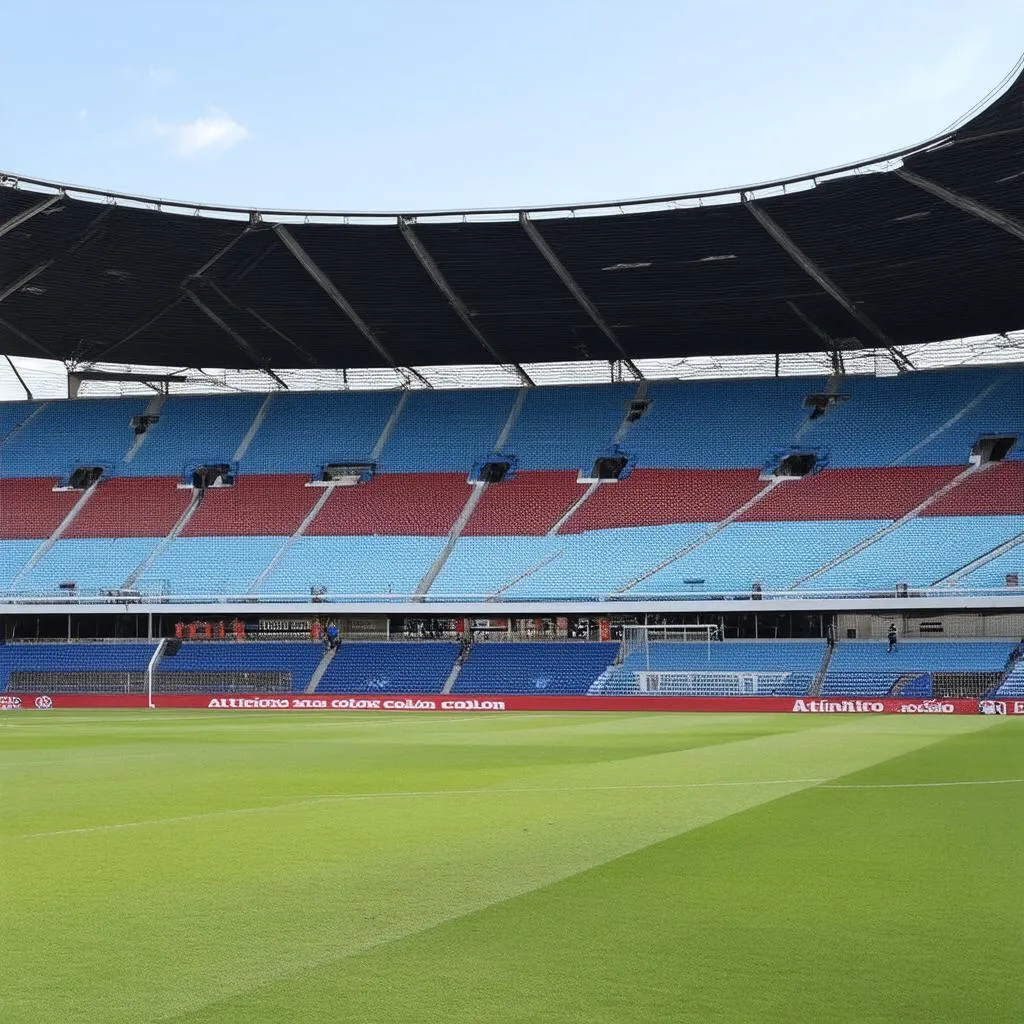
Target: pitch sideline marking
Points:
x,y
414,794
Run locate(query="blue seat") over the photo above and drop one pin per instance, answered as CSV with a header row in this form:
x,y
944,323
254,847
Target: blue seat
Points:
x,y
533,668
868,668
367,667
299,659
73,657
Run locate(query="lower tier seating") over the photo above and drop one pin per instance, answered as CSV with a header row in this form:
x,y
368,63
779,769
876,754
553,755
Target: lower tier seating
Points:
x,y
1013,684
869,668
366,667
534,668
729,669
214,666
89,667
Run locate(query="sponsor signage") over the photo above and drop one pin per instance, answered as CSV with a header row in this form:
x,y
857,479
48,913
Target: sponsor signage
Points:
x,y
512,703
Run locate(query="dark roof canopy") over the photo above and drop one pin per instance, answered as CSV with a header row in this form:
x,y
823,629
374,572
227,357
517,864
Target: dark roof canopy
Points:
x,y
920,246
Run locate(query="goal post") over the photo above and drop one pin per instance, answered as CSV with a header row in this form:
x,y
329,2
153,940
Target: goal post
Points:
x,y
637,640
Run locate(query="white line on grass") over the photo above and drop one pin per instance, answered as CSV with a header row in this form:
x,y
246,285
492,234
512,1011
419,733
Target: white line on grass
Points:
x,y
415,794
923,785
410,794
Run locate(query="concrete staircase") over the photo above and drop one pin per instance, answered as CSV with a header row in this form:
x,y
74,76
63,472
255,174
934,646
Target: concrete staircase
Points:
x,y
863,545
707,535
47,544
141,569
318,672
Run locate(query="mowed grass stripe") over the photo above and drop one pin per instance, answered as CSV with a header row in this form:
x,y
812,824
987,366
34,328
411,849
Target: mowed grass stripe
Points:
x,y
860,906
206,909
432,756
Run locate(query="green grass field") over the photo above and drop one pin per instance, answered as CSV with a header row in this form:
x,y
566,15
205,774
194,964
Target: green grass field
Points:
x,y
215,868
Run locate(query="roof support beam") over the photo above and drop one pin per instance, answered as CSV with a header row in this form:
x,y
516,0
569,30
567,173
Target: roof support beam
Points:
x,y
234,336
19,218
987,213
816,274
179,298
575,290
6,291
330,289
28,339
39,268
405,225
834,351
21,380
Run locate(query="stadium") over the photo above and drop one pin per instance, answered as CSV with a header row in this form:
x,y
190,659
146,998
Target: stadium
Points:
x,y
531,601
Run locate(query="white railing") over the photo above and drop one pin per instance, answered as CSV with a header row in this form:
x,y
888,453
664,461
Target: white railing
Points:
x,y
489,602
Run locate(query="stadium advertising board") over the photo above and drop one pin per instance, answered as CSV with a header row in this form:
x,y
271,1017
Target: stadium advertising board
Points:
x,y
512,703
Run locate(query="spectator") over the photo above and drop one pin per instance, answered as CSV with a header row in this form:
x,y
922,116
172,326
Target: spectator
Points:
x,y
332,634
893,636
830,635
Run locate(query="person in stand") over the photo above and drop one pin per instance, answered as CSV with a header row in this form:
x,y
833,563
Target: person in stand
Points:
x,y
332,635
893,637
830,635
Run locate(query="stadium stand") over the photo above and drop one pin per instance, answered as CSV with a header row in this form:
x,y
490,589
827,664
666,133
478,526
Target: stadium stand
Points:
x,y
1013,684
367,667
892,497
215,666
533,668
730,669
54,667
869,668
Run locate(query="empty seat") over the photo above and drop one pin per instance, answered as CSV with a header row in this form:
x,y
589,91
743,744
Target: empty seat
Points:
x,y
413,667
533,668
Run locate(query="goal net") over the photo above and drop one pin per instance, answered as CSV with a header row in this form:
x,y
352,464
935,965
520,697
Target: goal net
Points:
x,y
710,684
637,640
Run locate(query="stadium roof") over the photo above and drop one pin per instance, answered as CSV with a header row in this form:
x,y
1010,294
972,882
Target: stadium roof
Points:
x,y
913,247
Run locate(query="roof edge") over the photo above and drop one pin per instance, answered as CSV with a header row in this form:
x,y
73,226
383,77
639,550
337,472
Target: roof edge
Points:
x,y
978,115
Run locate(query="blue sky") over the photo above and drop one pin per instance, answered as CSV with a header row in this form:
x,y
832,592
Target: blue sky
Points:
x,y
392,104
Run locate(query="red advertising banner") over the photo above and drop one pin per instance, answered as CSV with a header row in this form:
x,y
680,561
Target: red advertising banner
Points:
x,y
503,703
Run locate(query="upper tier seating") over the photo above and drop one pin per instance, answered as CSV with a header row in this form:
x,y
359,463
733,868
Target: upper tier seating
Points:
x,y
568,427
722,424
302,432
920,553
533,667
65,435
446,430
31,508
192,431
703,450
92,564
929,418
364,667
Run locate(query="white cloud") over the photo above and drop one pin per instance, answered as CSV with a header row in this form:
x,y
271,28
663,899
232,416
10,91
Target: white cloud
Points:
x,y
216,132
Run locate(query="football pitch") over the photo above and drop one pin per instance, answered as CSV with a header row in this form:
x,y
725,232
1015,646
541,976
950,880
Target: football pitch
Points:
x,y
218,868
